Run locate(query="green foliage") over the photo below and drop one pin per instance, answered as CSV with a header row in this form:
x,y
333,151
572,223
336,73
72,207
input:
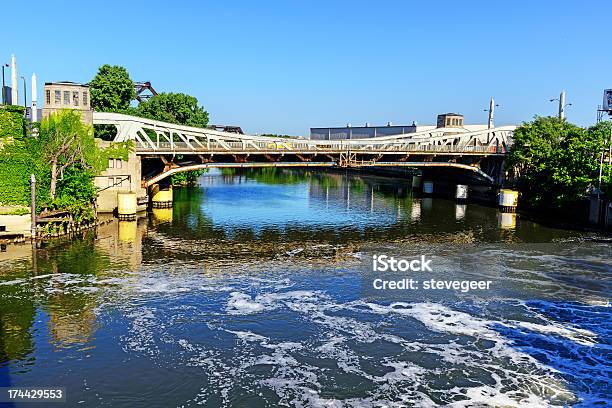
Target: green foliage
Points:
x,y
119,150
187,178
555,162
76,193
174,108
15,211
64,140
111,90
18,160
602,132
12,124
105,132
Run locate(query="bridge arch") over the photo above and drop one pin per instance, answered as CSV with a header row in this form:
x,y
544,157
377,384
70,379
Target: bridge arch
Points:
x,y
180,169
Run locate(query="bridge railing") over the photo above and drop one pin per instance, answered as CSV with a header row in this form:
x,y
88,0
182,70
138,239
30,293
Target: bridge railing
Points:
x,y
301,147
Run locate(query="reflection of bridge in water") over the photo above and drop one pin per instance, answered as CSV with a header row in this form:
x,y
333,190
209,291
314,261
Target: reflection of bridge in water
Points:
x,y
167,149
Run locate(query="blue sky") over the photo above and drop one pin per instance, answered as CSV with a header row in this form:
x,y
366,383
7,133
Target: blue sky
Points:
x,y
284,66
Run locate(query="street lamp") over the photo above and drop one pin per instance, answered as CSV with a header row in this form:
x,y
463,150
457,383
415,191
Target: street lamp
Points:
x,y
25,97
562,104
3,90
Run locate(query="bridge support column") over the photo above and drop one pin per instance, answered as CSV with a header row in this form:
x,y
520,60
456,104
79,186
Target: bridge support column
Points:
x,y
428,187
161,197
127,205
461,193
416,182
508,200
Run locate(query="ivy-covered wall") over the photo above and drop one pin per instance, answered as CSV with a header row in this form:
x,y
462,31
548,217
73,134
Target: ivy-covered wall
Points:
x,y
18,161
12,124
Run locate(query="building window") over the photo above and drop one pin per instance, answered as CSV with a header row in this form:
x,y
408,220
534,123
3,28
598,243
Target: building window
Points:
x,y
75,98
66,97
48,97
111,181
58,97
111,163
118,163
85,103
2,228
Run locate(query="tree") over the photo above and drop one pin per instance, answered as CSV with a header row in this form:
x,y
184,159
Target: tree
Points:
x,y
111,90
174,108
65,142
602,132
554,161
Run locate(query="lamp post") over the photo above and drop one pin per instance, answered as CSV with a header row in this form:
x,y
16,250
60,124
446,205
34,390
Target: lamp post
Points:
x,y
562,104
3,87
25,97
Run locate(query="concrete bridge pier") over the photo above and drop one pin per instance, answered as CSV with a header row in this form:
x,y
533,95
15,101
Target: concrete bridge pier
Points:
x,y
461,192
161,196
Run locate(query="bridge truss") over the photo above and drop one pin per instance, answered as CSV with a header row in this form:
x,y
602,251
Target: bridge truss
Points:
x,y
441,147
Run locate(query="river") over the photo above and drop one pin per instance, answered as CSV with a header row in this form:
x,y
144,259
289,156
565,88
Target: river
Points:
x,y
257,290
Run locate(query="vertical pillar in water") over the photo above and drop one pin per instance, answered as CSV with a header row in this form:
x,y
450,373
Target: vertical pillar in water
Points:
x,y
161,197
461,193
127,205
416,182
508,200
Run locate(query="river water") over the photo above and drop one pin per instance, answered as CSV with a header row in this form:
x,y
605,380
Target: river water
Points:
x,y
256,290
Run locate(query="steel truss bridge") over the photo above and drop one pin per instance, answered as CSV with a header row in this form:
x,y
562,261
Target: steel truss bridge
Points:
x,y
184,148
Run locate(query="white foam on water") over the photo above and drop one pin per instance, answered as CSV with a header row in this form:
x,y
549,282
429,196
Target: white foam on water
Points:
x,y
142,333
242,303
580,336
350,335
163,287
12,282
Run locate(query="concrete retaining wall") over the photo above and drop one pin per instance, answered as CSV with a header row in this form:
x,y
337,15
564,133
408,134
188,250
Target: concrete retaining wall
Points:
x,y
15,224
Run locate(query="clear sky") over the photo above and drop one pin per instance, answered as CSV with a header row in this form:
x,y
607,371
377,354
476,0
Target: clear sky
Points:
x,y
285,66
